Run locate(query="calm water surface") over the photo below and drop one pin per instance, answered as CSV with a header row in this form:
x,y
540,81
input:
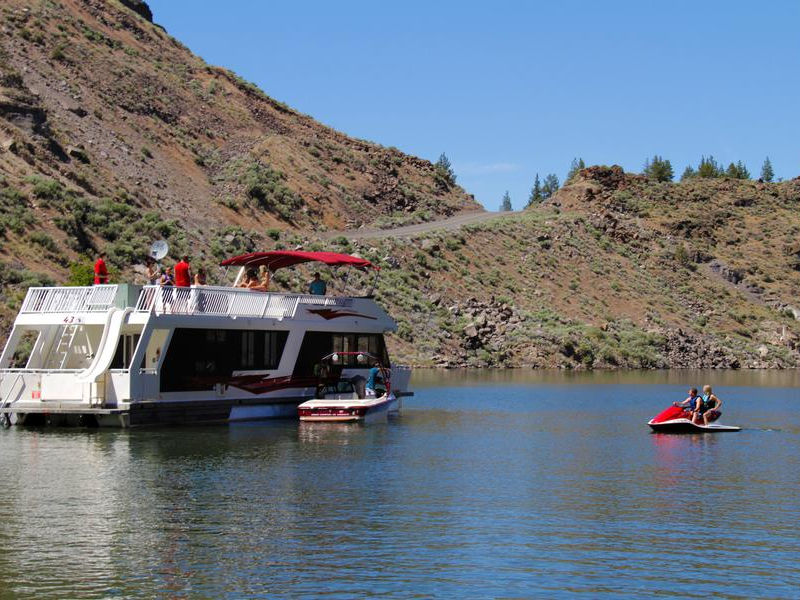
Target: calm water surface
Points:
x,y
512,484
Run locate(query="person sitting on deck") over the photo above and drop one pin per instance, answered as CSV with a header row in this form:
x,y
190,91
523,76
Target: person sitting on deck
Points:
x,y
251,281
317,287
264,277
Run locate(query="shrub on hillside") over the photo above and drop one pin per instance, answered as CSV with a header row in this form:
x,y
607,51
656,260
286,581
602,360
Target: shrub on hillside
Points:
x,y
14,211
43,240
265,185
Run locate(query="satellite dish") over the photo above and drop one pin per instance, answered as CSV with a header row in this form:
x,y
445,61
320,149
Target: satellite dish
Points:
x,y
158,249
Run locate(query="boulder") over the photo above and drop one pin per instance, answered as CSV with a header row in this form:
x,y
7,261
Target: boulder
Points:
x,y
428,245
78,153
140,7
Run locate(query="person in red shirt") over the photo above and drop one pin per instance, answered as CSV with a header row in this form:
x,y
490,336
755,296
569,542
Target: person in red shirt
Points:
x,y
100,270
183,276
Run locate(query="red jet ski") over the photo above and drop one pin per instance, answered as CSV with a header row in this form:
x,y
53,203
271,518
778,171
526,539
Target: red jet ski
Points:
x,y
676,419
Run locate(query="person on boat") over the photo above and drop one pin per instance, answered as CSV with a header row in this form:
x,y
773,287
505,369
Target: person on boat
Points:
x,y
100,270
317,287
373,377
247,279
200,280
166,282
264,277
251,281
151,271
183,280
689,403
183,273
707,406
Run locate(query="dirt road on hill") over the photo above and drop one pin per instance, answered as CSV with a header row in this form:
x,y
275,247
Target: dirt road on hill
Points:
x,y
444,224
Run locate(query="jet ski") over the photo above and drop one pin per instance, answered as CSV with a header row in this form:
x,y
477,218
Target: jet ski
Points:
x,y
676,419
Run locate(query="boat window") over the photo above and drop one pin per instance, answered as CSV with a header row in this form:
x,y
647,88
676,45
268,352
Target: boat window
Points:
x,y
317,344
248,358
274,342
197,359
27,342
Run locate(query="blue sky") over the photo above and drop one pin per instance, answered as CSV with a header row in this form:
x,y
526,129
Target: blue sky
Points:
x,y
508,89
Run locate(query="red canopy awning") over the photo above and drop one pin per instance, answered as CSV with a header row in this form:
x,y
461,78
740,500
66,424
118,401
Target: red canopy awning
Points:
x,y
278,259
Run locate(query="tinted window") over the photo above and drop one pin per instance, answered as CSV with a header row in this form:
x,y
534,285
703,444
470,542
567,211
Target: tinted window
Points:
x,y
317,344
197,359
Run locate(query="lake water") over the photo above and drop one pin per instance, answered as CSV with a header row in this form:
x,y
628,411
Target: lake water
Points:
x,y
496,484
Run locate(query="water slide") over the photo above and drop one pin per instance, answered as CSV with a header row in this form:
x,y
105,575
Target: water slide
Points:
x,y
108,344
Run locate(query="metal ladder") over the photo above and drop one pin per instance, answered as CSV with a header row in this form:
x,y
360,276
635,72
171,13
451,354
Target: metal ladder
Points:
x,y
65,343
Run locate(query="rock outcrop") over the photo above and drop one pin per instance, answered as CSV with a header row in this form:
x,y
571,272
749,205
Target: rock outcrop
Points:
x,y
140,7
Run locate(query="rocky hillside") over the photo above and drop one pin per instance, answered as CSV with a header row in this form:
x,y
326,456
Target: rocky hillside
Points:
x,y
113,134
616,271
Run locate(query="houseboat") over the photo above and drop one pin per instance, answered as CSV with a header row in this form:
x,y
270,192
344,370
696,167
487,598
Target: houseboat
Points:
x,y
129,355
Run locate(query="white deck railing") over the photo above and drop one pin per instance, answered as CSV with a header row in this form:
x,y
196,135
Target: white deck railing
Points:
x,y
97,298
222,301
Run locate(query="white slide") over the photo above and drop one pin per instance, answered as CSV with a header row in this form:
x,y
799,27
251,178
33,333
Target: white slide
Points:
x,y
108,344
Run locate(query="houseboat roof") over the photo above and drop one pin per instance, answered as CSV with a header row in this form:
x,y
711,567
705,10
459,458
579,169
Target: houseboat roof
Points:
x,y
279,259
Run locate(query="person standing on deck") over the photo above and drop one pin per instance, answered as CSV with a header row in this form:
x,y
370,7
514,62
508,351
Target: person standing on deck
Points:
x,y
152,273
317,287
100,270
183,273
372,379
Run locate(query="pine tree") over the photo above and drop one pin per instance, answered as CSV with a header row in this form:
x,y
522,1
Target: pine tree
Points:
x,y
505,206
767,174
743,172
688,173
443,172
576,165
658,169
737,171
709,168
536,192
550,186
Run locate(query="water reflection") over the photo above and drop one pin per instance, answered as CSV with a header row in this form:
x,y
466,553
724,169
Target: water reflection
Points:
x,y
472,377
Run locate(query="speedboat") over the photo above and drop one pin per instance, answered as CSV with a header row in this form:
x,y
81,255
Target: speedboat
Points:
x,y
346,400
676,419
